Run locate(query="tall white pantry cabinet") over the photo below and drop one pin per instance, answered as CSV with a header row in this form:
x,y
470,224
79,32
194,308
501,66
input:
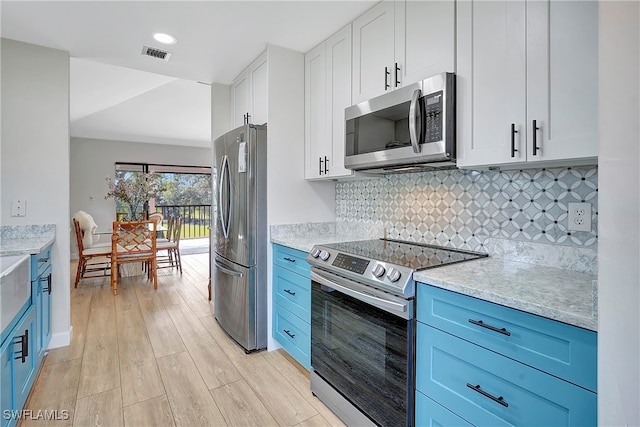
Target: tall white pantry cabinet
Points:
x,y
527,82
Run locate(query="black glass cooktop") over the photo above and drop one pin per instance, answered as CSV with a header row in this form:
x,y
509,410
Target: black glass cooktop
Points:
x,y
412,255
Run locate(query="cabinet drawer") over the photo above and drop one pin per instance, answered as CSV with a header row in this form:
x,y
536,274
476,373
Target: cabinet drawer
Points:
x,y
292,291
489,389
40,262
429,413
562,350
293,334
291,259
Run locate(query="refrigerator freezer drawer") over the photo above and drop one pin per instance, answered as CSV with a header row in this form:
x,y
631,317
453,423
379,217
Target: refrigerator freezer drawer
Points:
x,y
239,307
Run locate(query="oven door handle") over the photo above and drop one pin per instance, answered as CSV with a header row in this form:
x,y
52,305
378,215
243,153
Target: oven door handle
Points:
x,y
398,309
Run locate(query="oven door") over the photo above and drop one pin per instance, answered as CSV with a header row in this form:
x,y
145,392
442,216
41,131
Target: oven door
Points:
x,y
361,345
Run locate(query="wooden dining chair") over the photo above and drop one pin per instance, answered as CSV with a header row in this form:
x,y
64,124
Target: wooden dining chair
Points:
x,y
133,241
172,246
100,254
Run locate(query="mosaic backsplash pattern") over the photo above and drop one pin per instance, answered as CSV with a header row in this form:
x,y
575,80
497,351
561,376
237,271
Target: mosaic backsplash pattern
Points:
x,y
461,208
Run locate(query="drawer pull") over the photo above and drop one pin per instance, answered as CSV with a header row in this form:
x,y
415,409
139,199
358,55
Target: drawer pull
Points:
x,y
23,340
289,333
491,328
499,400
290,292
289,259
48,288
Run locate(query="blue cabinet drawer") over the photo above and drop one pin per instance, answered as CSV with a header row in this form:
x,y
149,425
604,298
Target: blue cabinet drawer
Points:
x,y
431,414
40,262
493,390
292,291
291,259
293,334
562,350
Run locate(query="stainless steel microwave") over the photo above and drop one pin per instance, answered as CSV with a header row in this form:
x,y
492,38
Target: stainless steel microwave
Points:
x,y
411,128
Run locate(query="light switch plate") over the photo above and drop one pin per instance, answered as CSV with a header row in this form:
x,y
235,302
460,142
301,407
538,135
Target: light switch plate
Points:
x,y
19,208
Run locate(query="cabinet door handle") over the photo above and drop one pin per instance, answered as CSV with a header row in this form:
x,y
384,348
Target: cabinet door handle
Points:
x,y
535,138
48,288
386,78
480,323
513,139
397,72
23,340
289,333
326,162
43,259
289,259
499,399
320,165
290,292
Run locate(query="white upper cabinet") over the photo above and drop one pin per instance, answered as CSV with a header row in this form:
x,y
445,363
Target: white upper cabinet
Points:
x,y
402,42
425,43
527,82
327,94
249,94
373,44
239,100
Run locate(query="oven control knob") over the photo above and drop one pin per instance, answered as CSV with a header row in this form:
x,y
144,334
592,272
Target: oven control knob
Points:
x,y
324,255
378,270
394,275
315,252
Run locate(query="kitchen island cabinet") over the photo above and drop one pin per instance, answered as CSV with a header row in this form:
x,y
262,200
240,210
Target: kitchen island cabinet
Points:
x,y
527,83
492,365
292,303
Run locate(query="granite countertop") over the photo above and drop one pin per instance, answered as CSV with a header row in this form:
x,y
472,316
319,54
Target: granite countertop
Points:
x,y
29,239
305,243
303,236
562,295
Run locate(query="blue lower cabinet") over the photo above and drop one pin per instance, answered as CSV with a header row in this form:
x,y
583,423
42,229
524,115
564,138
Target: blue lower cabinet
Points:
x,y
293,334
429,413
42,292
489,389
6,355
24,366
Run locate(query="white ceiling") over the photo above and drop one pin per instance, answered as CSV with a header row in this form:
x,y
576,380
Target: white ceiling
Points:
x,y
116,93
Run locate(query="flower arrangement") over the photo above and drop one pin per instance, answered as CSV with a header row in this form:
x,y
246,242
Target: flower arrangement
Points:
x,y
133,190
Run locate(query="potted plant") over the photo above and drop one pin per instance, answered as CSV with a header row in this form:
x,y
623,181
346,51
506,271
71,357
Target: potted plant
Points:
x,y
133,190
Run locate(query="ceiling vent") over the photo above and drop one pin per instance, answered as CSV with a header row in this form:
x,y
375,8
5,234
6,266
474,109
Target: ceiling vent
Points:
x,y
154,52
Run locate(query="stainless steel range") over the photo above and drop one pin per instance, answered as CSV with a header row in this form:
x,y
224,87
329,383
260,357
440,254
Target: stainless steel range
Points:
x,y
362,340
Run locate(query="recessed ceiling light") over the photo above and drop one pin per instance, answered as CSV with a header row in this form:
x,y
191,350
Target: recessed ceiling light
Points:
x,y
165,38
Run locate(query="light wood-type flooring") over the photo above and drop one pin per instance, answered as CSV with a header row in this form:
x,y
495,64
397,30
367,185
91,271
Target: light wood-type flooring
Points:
x,y
159,358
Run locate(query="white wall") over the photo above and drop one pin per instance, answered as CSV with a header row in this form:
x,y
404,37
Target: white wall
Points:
x,y
220,110
619,216
35,156
94,159
292,199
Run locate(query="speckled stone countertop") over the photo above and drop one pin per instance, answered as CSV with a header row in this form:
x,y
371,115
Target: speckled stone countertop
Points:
x,y
303,236
26,239
562,295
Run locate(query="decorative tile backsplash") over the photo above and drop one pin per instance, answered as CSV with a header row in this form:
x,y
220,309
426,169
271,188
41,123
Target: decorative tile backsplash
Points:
x,y
462,208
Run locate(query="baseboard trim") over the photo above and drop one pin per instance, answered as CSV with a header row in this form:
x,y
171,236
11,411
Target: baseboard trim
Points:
x,y
61,339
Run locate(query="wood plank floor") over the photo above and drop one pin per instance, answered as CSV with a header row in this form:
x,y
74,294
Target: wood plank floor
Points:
x,y
158,358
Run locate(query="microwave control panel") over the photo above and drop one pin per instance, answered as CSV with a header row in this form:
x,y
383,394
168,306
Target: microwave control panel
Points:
x,y
433,113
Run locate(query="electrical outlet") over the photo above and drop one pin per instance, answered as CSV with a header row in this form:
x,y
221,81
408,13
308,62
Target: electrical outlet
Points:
x,y
579,217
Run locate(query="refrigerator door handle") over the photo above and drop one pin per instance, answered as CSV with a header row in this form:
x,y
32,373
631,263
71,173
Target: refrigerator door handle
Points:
x,y
224,172
227,271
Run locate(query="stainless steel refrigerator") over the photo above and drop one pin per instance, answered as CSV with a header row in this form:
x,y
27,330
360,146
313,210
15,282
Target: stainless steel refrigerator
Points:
x,y
240,256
